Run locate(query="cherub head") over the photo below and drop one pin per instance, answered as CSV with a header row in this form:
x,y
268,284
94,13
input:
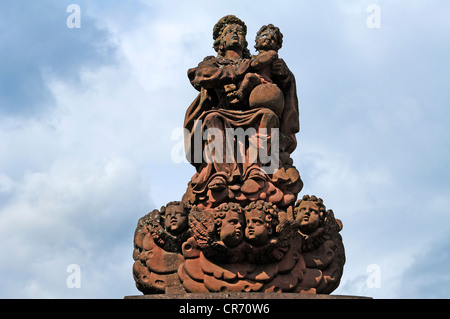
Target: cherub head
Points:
x,y
229,221
269,37
175,217
310,213
261,220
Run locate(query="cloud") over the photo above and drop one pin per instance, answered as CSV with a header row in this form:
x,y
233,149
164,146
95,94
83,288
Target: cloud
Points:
x,y
373,114
77,212
71,188
427,276
37,43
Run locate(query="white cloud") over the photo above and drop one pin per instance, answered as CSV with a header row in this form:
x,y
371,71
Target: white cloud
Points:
x,y
76,181
77,212
427,277
38,40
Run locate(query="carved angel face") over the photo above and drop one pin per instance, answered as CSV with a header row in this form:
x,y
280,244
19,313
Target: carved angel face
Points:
x,y
176,220
256,231
268,38
231,233
308,216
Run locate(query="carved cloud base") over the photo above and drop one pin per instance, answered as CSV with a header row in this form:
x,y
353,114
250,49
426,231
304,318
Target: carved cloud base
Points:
x,y
183,249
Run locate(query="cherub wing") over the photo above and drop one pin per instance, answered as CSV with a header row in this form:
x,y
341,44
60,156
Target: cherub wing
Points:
x,y
286,230
153,222
202,227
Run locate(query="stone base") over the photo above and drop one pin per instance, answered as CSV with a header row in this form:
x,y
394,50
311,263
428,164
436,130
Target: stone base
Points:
x,y
243,295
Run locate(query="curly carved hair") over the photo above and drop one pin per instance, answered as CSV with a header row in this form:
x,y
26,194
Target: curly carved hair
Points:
x,y
270,210
274,31
316,200
221,211
223,22
186,207
218,29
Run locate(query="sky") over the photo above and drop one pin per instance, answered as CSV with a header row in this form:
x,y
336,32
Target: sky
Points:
x,y
90,118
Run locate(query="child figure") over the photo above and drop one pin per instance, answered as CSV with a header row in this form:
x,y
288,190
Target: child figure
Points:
x,y
176,218
229,221
268,40
261,221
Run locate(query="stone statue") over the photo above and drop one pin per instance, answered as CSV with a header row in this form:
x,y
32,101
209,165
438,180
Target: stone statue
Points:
x,y
322,247
239,226
157,247
252,112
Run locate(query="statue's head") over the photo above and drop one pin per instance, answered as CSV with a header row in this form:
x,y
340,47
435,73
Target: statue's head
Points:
x,y
229,221
269,37
261,219
175,216
310,213
229,34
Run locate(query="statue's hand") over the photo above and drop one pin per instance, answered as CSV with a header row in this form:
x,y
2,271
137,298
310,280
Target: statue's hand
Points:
x,y
264,59
280,69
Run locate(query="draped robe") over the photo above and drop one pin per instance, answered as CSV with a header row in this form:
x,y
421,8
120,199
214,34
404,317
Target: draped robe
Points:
x,y
214,77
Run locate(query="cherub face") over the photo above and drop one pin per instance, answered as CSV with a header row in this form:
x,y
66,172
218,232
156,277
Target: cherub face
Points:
x,y
231,229
233,35
267,40
308,216
176,220
256,230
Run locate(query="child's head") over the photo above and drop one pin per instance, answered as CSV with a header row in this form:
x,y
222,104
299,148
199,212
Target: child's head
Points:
x,y
229,220
261,220
175,217
269,37
310,213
